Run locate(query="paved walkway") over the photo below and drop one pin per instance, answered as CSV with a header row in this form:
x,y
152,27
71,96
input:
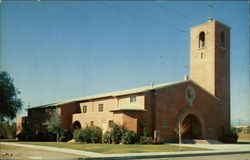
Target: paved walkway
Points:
x,y
215,149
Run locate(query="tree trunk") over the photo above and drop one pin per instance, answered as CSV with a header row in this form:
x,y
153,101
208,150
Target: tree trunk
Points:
x,y
57,137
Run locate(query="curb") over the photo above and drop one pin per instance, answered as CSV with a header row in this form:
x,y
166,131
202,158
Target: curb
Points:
x,y
152,155
166,156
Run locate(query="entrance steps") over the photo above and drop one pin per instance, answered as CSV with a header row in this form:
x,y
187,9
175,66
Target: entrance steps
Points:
x,y
200,141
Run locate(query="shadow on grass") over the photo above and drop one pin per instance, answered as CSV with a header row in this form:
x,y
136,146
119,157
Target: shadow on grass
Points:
x,y
8,140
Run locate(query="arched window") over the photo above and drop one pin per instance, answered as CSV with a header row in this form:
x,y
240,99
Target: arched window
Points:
x,y
222,39
201,40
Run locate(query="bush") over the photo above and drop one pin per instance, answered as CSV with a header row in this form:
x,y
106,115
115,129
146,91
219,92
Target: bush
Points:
x,y
78,135
106,138
91,134
230,137
117,133
146,140
129,137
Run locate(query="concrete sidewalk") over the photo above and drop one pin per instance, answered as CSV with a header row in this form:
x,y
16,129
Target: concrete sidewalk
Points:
x,y
215,149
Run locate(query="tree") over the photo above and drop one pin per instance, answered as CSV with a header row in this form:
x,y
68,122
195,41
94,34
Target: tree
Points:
x,y
53,125
145,128
10,104
7,130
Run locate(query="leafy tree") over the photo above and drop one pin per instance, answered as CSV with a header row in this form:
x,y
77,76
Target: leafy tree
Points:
x,y
10,104
7,130
247,130
53,125
145,128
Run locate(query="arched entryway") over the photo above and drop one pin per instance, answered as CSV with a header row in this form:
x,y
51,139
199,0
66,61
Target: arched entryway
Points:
x,y
77,125
191,127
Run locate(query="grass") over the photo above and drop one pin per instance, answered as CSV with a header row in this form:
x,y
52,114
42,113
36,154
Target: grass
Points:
x,y
114,148
7,147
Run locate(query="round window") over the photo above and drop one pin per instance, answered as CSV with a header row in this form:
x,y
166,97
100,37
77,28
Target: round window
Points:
x,y
190,94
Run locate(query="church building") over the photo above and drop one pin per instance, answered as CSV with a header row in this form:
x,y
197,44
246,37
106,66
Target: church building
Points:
x,y
200,104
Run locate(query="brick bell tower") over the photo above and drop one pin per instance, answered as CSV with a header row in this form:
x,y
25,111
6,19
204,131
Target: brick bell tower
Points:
x,y
210,63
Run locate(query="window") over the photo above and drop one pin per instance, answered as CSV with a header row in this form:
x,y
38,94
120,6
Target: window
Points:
x,y
222,39
110,123
164,123
201,40
84,109
100,109
132,99
202,55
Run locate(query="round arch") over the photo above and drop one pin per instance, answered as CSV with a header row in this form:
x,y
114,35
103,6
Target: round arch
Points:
x,y
191,127
194,116
77,125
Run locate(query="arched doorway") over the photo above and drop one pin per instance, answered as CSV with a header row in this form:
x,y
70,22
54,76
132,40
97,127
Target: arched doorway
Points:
x,y
77,125
191,127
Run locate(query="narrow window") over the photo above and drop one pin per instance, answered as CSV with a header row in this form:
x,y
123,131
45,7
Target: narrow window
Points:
x,y
222,39
92,123
100,109
201,40
84,109
202,55
132,99
110,123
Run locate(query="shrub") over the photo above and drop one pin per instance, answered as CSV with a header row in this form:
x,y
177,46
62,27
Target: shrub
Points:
x,y
230,137
78,135
117,132
129,137
146,140
106,138
91,134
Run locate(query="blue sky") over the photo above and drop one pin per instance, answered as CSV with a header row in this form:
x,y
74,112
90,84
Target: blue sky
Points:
x,y
60,50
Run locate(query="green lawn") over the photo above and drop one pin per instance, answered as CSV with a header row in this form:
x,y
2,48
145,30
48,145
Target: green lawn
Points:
x,y
114,148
